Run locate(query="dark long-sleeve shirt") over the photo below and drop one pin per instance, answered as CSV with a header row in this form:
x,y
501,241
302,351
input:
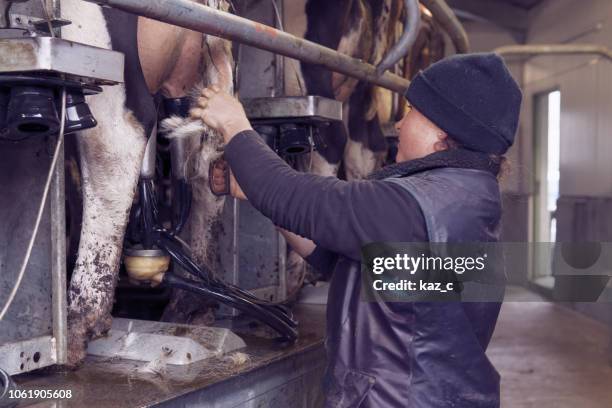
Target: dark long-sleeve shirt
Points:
x,y
338,216
382,354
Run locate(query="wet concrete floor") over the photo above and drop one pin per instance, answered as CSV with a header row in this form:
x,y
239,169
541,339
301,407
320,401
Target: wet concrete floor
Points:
x,y
115,383
547,355
551,356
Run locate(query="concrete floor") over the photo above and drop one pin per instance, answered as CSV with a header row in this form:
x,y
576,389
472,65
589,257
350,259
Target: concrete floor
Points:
x,y
550,356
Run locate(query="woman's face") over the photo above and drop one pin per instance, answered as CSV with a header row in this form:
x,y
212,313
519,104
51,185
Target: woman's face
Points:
x,y
418,136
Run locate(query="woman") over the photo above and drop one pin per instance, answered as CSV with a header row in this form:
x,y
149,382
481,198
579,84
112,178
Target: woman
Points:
x,y
443,188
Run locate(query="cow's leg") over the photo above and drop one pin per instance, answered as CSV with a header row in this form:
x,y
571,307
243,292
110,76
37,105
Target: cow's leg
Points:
x,y
356,41
385,28
205,220
366,146
110,156
173,70
205,228
369,105
360,160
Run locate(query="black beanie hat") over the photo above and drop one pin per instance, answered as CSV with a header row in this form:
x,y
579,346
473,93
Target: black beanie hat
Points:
x,y
472,97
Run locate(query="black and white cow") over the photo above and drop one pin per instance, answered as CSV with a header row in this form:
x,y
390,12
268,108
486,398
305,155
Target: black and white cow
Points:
x,y
158,58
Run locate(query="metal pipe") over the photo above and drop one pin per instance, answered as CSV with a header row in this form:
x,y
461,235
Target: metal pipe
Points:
x,y
450,23
197,17
412,23
555,49
58,264
7,385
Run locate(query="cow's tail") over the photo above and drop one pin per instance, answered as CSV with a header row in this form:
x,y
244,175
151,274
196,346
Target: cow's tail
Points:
x,y
176,127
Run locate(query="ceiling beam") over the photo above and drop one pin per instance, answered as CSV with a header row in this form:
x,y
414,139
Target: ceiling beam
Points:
x,y
505,15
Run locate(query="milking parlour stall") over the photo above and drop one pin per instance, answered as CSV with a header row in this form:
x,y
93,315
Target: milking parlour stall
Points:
x,y
130,275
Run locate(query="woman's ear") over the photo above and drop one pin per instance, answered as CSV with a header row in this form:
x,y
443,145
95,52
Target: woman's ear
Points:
x,y
442,143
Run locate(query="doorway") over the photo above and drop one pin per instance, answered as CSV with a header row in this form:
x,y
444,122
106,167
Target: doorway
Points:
x,y
547,120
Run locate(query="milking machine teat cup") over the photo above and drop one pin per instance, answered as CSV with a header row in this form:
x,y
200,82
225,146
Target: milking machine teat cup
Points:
x,y
36,65
293,125
30,105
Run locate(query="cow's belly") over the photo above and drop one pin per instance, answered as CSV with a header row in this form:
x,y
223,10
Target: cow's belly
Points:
x,y
170,57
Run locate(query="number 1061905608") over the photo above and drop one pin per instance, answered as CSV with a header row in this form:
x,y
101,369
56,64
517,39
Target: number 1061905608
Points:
x,y
39,394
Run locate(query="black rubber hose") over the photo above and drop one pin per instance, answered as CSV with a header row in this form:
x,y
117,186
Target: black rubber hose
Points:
x,y
274,316
185,195
243,305
148,213
174,247
204,273
6,386
256,311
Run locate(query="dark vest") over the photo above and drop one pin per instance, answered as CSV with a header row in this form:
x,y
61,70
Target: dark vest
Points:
x,y
418,354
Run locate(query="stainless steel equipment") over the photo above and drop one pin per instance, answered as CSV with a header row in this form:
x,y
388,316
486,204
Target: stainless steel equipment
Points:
x,y
291,125
80,62
33,67
295,109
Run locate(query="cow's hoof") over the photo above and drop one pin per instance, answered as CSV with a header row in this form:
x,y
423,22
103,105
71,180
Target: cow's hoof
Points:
x,y
77,350
82,329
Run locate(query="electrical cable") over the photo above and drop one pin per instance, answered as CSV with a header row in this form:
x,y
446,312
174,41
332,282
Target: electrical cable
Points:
x,y
41,208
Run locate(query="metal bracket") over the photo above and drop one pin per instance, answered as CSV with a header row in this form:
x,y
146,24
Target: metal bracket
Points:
x,y
91,65
30,23
26,355
295,109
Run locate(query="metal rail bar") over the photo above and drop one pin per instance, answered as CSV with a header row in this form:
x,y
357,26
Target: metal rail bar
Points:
x,y
197,17
412,24
555,49
450,23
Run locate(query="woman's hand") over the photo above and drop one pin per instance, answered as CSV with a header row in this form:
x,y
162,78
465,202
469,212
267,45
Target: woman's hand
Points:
x,y
218,183
221,112
303,246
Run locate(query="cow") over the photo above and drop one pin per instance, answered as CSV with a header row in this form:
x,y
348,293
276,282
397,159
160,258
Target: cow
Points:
x,y
159,58
364,29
